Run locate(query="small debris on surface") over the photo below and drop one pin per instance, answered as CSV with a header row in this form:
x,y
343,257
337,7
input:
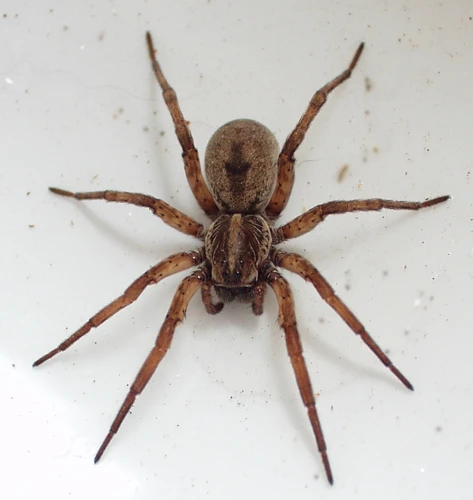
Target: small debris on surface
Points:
x,y
342,172
117,113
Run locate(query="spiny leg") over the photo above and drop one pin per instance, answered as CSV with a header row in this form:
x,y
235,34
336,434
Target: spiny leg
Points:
x,y
189,152
186,290
173,264
287,321
298,265
170,215
286,158
308,220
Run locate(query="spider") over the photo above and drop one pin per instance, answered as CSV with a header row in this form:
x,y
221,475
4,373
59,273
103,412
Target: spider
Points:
x,y
249,183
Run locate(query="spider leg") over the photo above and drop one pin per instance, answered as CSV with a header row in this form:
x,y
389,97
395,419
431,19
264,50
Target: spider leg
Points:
x,y
308,220
287,321
286,158
168,214
189,152
186,290
298,265
173,264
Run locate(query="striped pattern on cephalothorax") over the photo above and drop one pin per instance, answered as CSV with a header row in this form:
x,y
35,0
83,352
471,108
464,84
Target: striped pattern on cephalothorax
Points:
x,y
235,246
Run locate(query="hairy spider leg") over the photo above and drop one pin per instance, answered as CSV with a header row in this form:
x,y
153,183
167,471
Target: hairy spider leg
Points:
x,y
190,154
310,219
288,323
170,215
286,160
173,264
298,265
176,313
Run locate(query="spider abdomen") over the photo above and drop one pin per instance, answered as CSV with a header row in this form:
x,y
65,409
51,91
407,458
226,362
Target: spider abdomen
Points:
x,y
241,166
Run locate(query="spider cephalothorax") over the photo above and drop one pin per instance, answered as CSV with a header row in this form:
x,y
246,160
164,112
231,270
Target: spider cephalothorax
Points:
x,y
236,245
250,182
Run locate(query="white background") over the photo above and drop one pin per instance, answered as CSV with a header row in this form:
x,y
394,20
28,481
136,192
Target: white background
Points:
x,y
222,417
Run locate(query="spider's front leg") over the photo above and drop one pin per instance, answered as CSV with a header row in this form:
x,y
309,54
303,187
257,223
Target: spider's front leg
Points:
x,y
170,215
286,158
287,321
189,152
186,290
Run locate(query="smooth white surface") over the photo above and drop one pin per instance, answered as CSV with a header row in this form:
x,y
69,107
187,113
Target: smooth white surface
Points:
x,y
222,417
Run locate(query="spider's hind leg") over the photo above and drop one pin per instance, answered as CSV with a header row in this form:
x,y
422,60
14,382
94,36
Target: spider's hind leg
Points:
x,y
287,321
176,313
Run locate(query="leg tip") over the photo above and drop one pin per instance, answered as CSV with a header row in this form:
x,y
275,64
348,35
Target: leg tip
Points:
x,y
328,469
149,42
356,56
99,454
435,201
40,361
103,446
47,356
407,383
61,192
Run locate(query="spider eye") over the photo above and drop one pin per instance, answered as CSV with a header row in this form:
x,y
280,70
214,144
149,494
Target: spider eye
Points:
x,y
240,262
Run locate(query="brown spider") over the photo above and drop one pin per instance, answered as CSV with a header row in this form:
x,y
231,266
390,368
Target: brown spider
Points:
x,y
250,184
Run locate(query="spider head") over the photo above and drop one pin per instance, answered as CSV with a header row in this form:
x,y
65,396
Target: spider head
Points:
x,y
236,246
